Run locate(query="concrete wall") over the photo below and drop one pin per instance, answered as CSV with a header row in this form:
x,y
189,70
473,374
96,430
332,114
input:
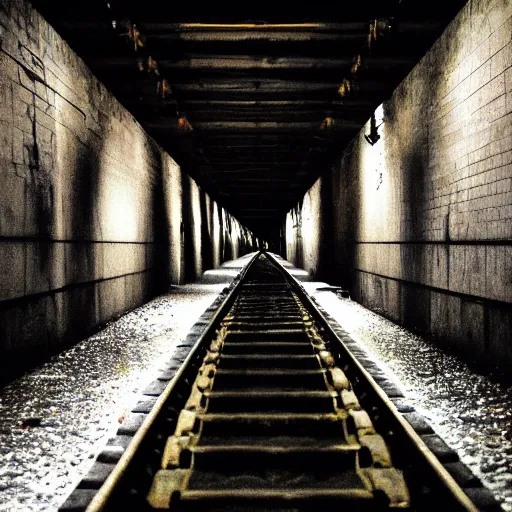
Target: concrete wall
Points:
x,y
94,217
420,224
200,233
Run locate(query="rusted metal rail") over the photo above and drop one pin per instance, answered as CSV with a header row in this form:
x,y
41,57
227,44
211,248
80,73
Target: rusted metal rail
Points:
x,y
271,412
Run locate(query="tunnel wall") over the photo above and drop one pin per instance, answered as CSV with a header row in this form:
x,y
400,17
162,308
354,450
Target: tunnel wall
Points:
x,y
420,224
200,233
95,218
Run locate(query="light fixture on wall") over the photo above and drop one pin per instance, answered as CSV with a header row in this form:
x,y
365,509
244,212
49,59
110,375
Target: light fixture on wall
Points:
x,y
373,137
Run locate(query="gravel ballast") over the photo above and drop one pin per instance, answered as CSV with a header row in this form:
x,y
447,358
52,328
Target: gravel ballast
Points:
x,y
469,411
56,418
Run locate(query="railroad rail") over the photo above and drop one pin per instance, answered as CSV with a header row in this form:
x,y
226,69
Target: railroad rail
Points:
x,y
271,412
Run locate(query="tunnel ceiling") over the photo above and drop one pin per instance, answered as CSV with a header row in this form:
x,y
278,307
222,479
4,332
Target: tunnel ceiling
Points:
x,y
253,103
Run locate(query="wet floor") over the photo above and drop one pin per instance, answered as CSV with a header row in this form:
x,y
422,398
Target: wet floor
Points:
x,y
80,396
56,418
472,414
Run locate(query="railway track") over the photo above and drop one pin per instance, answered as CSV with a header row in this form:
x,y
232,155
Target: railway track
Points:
x,y
271,412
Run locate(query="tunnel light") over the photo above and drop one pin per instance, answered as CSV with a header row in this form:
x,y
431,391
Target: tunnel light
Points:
x,y
163,88
356,64
134,35
153,66
184,125
345,88
327,123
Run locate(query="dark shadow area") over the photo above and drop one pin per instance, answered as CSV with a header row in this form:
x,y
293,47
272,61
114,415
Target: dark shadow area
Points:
x,y
40,325
222,240
214,243
325,269
206,236
187,214
79,311
344,183
228,242
41,194
161,248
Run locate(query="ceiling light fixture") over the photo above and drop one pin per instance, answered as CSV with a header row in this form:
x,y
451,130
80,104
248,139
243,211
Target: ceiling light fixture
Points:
x,y
184,125
327,123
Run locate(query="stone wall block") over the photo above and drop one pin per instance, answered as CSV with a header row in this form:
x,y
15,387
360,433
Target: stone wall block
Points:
x,y
500,339
473,330
12,213
415,307
12,270
498,279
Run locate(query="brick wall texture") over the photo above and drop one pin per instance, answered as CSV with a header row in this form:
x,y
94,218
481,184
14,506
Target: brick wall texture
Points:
x,y
420,224
93,213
